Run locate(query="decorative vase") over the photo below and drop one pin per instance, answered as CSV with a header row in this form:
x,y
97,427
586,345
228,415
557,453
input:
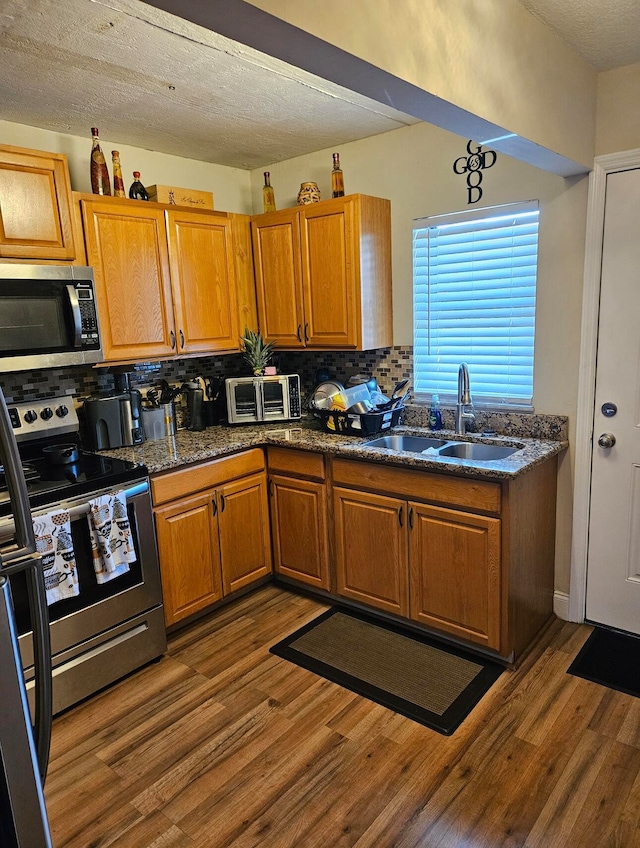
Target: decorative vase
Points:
x,y
309,193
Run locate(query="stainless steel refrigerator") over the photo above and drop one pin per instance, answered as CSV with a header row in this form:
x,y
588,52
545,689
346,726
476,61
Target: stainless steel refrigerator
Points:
x,y
24,748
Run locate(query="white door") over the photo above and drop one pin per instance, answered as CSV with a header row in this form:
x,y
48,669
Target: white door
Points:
x,y
613,569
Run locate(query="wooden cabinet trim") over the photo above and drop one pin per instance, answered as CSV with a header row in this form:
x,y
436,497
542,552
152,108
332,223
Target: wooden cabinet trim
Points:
x,y
171,485
475,495
243,526
300,463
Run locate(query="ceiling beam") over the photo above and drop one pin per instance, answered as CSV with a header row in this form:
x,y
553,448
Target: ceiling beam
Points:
x,y
249,25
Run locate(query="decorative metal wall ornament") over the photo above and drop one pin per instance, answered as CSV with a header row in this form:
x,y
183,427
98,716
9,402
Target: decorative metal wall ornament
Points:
x,y
473,165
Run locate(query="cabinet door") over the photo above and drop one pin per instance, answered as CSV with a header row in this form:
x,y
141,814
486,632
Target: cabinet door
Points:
x,y
371,550
127,246
243,523
203,282
455,572
330,274
276,251
35,205
189,557
299,529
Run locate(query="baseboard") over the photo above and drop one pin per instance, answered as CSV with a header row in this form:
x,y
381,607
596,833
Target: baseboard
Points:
x,y
561,605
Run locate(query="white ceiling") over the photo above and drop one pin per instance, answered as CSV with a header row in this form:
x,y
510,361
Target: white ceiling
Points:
x,y
151,80
606,33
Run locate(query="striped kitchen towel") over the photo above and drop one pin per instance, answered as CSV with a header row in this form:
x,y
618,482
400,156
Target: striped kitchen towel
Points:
x,y
111,538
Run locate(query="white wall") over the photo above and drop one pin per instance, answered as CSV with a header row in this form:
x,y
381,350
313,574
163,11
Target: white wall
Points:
x,y
413,168
618,124
489,57
230,186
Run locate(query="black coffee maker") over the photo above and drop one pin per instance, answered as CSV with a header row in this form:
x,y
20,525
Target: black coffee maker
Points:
x,y
112,419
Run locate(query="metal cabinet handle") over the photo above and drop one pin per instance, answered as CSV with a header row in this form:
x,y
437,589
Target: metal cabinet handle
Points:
x,y
401,516
222,503
173,340
306,332
271,488
181,339
299,332
410,518
214,505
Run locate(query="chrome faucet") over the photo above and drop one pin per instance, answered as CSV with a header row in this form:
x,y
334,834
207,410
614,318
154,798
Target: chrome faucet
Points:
x,y
463,415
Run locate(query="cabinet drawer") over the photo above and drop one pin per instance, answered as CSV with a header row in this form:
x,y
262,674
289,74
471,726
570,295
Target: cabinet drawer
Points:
x,y
172,485
476,495
300,463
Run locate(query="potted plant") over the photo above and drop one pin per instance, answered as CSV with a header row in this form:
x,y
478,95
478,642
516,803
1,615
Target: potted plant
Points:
x,y
257,352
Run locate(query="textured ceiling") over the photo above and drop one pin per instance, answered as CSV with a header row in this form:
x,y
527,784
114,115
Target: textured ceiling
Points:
x,y
606,33
155,81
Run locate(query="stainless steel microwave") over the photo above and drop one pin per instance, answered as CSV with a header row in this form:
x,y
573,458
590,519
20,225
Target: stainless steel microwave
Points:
x,y
48,317
262,399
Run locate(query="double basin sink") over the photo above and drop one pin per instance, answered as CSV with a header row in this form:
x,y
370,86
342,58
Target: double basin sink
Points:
x,y
440,447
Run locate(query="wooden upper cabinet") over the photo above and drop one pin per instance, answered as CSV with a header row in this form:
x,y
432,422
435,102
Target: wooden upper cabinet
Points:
x,y
276,251
329,268
127,246
203,282
35,205
323,274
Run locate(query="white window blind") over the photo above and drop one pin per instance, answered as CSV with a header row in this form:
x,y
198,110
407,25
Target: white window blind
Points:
x,y
474,283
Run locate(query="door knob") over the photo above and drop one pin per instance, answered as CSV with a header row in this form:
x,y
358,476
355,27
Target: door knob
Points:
x,y
607,440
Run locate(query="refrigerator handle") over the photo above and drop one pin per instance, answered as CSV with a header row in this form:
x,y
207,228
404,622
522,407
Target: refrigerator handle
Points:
x,y
17,488
43,718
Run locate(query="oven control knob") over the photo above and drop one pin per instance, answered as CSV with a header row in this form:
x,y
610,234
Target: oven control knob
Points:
x,y
30,416
46,413
61,411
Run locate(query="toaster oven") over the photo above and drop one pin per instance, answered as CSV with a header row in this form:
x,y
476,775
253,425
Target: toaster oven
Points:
x,y
262,399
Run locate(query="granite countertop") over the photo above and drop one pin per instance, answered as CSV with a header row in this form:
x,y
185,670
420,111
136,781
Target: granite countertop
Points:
x,y
188,447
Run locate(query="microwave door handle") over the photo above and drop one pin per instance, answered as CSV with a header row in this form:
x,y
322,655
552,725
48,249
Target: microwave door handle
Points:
x,y
17,487
77,317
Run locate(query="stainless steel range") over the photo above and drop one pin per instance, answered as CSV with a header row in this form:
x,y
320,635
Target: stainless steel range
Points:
x,y
106,629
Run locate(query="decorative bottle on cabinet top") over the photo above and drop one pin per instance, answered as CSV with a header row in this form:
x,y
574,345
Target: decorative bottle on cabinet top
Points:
x,y
337,179
268,195
99,173
137,191
118,182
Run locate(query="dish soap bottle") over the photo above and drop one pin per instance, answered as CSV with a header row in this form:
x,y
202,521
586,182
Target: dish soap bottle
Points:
x,y
435,415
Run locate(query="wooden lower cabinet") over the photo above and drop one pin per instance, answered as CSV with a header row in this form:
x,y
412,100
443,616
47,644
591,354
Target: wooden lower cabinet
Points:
x,y
454,566
216,541
189,556
371,550
299,530
243,522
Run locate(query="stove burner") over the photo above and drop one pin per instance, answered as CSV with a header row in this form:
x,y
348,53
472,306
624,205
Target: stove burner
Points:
x,y
30,473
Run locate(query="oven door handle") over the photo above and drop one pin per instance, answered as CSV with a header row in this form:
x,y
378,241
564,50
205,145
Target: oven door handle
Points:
x,y
77,317
75,510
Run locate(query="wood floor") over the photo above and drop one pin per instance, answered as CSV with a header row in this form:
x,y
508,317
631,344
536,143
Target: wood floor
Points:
x,y
223,744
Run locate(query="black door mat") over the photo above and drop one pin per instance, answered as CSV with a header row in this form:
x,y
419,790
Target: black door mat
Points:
x,y
611,659
412,674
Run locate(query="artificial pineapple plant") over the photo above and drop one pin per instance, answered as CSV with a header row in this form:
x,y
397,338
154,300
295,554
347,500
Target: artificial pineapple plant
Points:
x,y
257,352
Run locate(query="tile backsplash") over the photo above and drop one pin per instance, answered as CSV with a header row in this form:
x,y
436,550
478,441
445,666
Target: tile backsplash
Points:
x,y
388,365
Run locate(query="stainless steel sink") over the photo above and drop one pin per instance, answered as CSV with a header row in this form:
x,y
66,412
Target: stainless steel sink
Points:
x,y
413,444
472,450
